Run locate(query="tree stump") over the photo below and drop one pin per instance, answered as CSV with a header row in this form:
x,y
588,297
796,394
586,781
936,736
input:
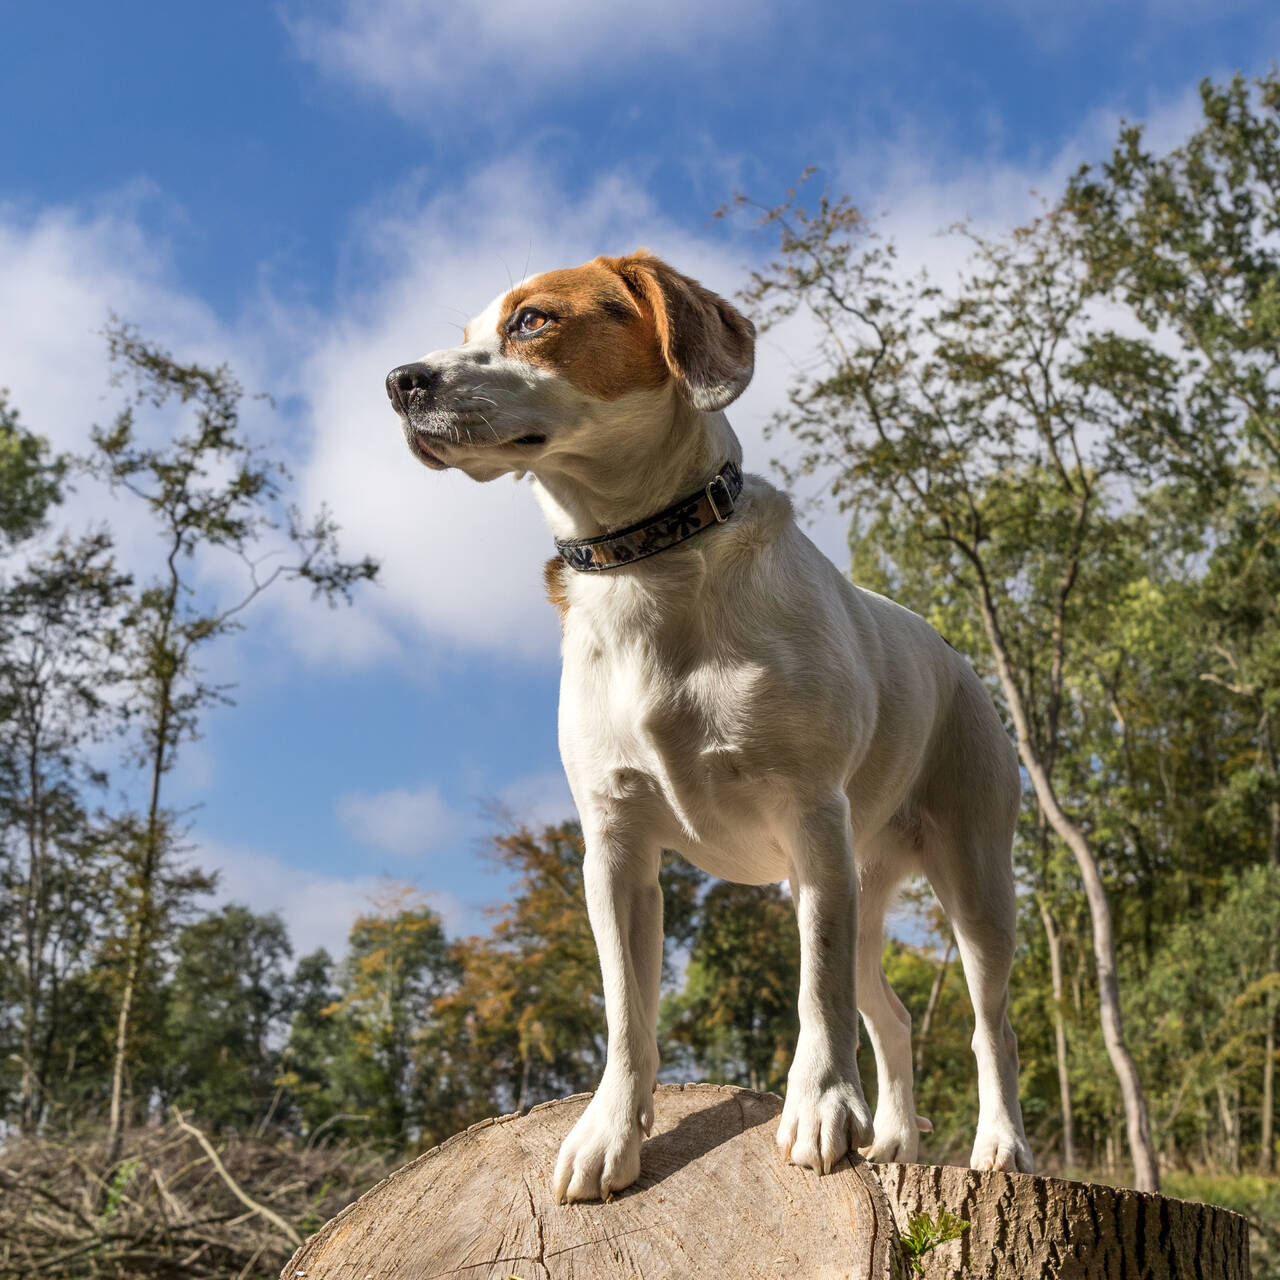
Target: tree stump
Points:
x,y
715,1199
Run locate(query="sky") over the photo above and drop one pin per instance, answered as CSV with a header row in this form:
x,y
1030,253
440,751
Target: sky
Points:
x,y
316,193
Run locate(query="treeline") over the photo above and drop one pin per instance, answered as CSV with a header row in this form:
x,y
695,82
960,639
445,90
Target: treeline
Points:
x,y
1068,459
102,683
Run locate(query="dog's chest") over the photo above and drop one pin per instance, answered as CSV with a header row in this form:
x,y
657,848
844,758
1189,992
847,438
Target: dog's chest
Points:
x,y
676,733
635,702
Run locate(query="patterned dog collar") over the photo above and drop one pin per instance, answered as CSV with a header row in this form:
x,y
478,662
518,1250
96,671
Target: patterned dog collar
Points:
x,y
712,504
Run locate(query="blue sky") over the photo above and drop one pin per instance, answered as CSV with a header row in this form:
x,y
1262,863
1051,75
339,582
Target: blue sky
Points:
x,y
315,193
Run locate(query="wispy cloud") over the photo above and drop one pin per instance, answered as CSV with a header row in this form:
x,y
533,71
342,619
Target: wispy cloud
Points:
x,y
426,57
318,909
461,562
539,799
400,821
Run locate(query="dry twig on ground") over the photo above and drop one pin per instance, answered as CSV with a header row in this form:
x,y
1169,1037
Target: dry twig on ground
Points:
x,y
176,1204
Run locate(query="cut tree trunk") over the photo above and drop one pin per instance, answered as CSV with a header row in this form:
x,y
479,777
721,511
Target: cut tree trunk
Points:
x,y
715,1199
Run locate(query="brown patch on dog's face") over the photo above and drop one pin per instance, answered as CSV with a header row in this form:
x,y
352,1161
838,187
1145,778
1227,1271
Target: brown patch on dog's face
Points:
x,y
584,324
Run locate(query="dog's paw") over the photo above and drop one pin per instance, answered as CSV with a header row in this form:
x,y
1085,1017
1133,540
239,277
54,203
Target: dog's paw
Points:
x,y
1002,1150
820,1126
601,1155
897,1139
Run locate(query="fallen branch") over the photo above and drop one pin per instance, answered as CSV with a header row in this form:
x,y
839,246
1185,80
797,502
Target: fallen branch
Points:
x,y
233,1186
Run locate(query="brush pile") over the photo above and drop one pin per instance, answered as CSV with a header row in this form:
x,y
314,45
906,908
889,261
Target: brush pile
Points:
x,y
174,1204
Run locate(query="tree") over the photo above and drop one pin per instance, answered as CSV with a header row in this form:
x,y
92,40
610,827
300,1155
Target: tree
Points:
x,y
229,997
526,1020
737,1013
1188,240
314,1043
30,478
58,663
56,612
397,968
209,491
1208,1003
988,440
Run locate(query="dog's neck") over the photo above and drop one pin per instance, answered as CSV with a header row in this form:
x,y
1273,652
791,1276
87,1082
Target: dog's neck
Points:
x,y
583,495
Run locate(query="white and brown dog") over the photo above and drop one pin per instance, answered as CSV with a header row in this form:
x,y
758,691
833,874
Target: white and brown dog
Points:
x,y
727,693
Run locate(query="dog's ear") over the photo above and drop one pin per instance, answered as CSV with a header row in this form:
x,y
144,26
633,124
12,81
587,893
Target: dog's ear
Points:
x,y
708,344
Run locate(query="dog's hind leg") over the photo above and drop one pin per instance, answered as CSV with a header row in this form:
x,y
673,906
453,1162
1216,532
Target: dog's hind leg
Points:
x,y
972,873
897,1127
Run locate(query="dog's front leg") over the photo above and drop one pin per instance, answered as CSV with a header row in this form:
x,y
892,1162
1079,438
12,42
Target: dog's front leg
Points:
x,y
825,1114
602,1152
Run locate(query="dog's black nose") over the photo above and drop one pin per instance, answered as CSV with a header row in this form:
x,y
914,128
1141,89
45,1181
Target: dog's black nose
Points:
x,y
410,377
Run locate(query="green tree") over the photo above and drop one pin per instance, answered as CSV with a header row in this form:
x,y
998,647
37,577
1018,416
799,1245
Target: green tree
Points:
x,y
209,492
1207,1001
228,1000
736,1013
1188,240
30,478
314,1043
526,1022
398,966
58,620
988,439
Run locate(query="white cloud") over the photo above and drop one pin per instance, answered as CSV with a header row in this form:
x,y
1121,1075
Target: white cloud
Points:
x,y
318,909
427,57
462,562
399,821
540,799
66,271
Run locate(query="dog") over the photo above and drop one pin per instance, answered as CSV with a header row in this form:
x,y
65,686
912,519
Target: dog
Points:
x,y
729,694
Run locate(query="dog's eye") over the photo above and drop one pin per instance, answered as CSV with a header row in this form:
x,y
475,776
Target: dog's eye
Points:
x,y
530,320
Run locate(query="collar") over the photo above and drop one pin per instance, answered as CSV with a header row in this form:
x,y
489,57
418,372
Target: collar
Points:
x,y
712,504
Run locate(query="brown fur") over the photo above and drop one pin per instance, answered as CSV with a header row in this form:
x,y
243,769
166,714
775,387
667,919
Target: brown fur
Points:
x,y
707,344
553,579
602,338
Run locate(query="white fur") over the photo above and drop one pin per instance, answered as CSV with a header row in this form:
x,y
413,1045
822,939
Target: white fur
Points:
x,y
735,698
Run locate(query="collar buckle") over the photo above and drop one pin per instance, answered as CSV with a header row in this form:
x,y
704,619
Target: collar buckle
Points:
x,y
719,495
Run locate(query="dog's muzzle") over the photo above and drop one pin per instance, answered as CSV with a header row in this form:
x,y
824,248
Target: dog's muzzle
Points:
x,y
403,381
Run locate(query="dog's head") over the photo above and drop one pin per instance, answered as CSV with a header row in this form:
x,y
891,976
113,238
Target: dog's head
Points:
x,y
567,354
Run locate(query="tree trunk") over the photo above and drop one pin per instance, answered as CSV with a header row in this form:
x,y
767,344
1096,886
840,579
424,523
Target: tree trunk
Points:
x,y
1059,1033
115,1123
1146,1171
1267,1138
1229,1116
935,994
715,1199
140,933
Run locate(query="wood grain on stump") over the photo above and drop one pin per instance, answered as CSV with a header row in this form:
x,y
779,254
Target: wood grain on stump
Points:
x,y
715,1199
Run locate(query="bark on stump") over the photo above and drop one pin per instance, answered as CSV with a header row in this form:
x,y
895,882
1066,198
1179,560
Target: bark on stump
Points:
x,y
715,1199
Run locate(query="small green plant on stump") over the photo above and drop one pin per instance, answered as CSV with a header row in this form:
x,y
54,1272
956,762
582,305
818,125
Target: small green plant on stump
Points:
x,y
923,1234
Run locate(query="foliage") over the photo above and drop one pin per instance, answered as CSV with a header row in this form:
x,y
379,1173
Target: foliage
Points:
x,y
397,967
209,491
526,1022
1067,458
736,1015
923,1235
30,478
228,998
